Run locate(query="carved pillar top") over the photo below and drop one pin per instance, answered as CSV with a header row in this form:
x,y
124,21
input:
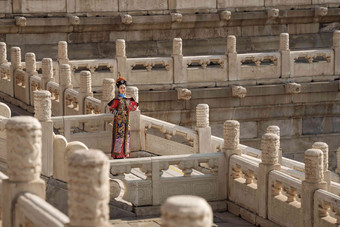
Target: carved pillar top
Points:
x,y
186,210
42,105
273,129
88,188
85,83
109,86
62,51
284,41
132,91
30,63
270,148
15,57
336,39
324,148
3,53
47,68
65,75
202,115
177,46
231,134
231,44
120,48
314,166
23,148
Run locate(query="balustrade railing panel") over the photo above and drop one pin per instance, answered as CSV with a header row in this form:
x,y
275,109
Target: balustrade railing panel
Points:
x,y
243,175
21,86
312,62
284,199
6,80
71,102
259,66
149,71
206,68
326,209
53,88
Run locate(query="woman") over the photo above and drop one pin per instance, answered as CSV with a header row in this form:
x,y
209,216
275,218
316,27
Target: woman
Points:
x,y
120,106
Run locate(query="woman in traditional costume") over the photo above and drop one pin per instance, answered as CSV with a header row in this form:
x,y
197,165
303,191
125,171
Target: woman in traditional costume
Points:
x,y
120,106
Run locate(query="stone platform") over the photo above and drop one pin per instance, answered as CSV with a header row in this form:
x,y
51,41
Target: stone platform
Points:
x,y
224,219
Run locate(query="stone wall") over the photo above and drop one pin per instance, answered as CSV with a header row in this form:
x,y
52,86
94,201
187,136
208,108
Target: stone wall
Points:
x,y
149,29
306,117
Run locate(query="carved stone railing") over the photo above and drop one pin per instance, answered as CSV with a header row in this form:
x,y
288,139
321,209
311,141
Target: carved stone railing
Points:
x,y
259,66
163,137
35,85
284,192
99,68
146,71
33,210
243,175
326,209
71,102
312,63
95,131
92,105
158,178
206,68
6,81
3,137
21,86
53,88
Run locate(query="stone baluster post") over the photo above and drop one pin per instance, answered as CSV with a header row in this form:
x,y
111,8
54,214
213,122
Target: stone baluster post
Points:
x,y
338,161
336,48
31,69
64,83
109,86
47,72
285,55
231,145
270,148
203,129
42,111
180,75
24,163
314,176
186,210
121,58
62,53
31,64
3,53
233,64
134,118
85,90
276,130
324,148
15,64
88,188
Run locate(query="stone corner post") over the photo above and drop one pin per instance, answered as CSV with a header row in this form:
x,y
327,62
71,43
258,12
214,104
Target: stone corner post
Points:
x,y
88,188
121,58
15,64
285,55
42,111
24,163
64,83
30,64
233,64
203,129
47,72
62,53
186,210
85,89
327,173
134,119
314,176
276,130
270,147
109,86
3,53
179,70
336,48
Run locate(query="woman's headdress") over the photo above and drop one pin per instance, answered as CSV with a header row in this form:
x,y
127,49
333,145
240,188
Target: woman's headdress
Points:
x,y
120,80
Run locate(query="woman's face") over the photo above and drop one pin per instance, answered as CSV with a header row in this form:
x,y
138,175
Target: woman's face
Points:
x,y
122,89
